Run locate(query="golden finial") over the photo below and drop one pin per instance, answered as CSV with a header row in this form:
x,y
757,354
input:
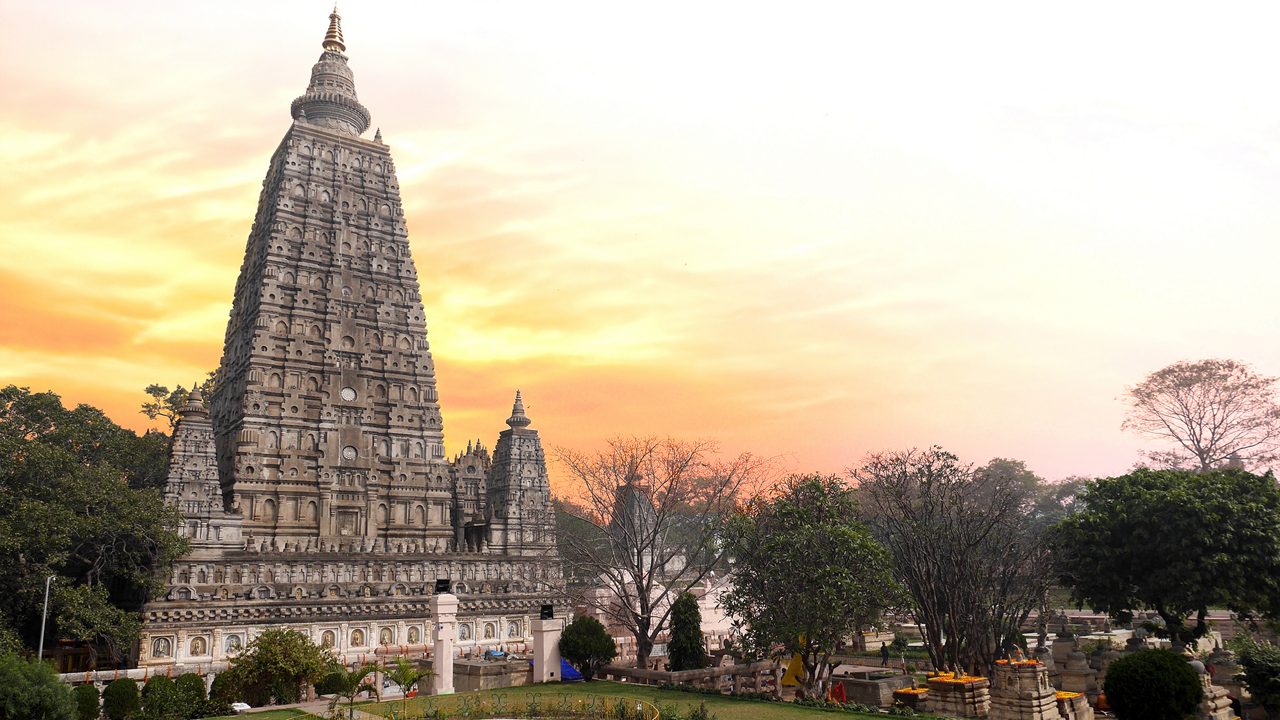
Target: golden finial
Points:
x,y
333,38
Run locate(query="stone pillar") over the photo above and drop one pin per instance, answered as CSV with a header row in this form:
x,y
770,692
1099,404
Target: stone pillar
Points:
x,y
546,650
444,608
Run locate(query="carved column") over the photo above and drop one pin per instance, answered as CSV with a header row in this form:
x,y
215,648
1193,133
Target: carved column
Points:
x,y
444,608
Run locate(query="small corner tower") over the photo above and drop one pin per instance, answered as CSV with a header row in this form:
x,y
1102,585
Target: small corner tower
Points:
x,y
521,519
191,482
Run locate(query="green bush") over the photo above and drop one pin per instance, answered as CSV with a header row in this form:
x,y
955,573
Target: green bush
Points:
x,y
160,700
1153,685
87,707
226,687
587,646
190,687
120,700
685,650
1261,662
29,690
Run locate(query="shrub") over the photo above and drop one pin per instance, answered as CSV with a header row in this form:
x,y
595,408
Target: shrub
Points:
x,y
226,687
87,707
190,687
685,649
1153,685
29,690
120,700
1261,662
160,700
587,646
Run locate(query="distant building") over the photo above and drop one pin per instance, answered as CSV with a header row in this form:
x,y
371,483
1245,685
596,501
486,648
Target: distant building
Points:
x,y
314,486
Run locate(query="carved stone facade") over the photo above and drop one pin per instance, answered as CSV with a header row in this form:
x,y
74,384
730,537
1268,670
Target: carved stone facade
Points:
x,y
315,488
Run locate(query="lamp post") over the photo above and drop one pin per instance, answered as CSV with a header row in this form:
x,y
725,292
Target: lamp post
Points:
x,y
44,617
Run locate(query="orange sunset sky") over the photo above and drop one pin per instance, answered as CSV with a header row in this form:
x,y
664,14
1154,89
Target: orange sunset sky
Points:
x,y
807,230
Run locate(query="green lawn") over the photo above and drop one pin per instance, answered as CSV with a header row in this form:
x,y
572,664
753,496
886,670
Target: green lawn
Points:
x,y
510,702
284,714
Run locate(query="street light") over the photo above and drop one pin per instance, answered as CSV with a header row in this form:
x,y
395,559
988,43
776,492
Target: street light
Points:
x,y
44,617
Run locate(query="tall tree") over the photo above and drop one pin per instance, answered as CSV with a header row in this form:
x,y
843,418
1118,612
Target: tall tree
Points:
x,y
966,544
1176,542
1213,411
67,509
807,574
650,509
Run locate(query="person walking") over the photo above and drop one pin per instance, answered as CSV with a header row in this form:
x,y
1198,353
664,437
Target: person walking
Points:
x,y
884,654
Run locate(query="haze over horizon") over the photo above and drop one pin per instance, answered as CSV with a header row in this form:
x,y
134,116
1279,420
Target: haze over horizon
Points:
x,y
808,234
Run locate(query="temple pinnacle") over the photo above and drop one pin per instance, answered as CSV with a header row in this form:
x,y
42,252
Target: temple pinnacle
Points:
x,y
518,419
333,38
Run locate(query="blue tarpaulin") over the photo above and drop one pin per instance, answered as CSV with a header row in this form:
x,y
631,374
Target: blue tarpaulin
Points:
x,y
568,673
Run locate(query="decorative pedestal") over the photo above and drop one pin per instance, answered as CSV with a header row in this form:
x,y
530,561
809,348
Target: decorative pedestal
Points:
x,y
1074,706
964,697
1020,690
1077,676
444,608
546,650
915,698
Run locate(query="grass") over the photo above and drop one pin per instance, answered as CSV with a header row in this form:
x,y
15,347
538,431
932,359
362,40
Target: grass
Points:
x,y
282,714
512,701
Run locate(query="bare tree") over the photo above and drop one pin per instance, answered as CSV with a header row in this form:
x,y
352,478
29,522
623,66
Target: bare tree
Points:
x,y
647,522
1214,411
966,545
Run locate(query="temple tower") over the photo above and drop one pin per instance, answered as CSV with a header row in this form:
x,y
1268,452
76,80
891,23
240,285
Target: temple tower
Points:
x,y
191,482
328,426
316,489
521,520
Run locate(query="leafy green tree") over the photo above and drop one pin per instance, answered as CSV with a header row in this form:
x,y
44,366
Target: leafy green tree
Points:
x,y
406,674
75,505
30,690
120,700
275,667
347,684
587,645
88,702
1153,685
160,700
1261,662
1176,542
685,650
807,573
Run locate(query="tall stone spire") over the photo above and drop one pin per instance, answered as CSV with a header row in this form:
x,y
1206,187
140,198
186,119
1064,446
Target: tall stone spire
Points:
x,y
330,100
